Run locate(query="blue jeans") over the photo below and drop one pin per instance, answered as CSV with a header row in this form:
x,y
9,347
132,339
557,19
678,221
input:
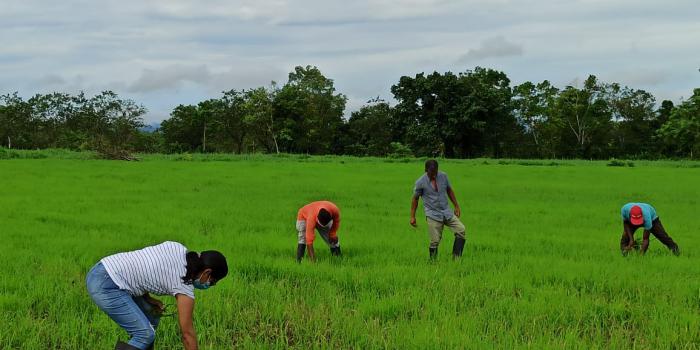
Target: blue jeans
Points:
x,y
131,313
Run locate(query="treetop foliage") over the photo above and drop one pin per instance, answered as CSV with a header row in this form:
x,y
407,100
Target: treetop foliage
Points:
x,y
475,113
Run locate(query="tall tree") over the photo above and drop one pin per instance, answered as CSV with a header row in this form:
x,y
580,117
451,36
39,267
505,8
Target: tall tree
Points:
x,y
260,116
465,115
369,131
183,130
15,121
633,114
583,117
310,111
533,104
681,133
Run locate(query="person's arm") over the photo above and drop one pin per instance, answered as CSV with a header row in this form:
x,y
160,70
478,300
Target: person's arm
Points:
x,y
645,242
630,237
155,303
310,250
333,233
453,198
185,309
336,225
414,206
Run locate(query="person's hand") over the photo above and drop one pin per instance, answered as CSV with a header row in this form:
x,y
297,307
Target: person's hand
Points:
x,y
458,212
413,221
158,307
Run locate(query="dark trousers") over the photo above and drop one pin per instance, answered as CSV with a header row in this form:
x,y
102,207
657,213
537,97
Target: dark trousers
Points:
x,y
657,229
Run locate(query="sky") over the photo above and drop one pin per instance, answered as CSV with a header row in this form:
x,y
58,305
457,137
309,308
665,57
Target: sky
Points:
x,y
162,53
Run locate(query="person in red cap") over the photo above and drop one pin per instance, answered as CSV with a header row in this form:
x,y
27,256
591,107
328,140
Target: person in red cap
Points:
x,y
636,215
323,216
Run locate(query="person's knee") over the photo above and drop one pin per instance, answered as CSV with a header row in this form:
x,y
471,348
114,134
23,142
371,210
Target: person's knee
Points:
x,y
457,227
460,234
145,336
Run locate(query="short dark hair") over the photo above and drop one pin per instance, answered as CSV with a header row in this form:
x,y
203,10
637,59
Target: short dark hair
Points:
x,y
324,217
208,259
431,164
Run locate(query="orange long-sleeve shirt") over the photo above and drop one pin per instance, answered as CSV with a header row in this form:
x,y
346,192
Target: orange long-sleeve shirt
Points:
x,y
309,213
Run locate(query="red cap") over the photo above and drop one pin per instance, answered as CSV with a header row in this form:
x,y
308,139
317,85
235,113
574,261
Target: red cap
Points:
x,y
636,217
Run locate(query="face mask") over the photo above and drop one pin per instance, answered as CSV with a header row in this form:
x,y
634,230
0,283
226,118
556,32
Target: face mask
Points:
x,y
199,285
328,225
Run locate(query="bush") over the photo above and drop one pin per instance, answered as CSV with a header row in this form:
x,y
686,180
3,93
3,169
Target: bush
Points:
x,y
620,163
399,150
8,154
187,157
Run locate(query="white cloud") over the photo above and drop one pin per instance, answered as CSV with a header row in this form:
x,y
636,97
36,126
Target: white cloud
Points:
x,y
492,48
173,77
165,52
169,78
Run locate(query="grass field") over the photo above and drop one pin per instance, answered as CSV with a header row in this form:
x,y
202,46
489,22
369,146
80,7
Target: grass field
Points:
x,y
542,268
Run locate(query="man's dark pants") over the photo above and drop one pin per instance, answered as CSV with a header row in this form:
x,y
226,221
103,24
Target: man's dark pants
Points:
x,y
657,229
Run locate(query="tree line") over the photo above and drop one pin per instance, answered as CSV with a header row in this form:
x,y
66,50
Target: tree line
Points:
x,y
476,113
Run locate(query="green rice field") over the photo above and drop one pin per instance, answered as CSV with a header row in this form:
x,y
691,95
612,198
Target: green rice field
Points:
x,y
541,268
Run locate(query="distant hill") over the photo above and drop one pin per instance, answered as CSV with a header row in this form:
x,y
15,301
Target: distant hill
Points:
x,y
150,128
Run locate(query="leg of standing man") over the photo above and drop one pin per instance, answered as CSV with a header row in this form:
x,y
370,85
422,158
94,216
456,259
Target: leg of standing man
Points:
x,y
301,239
435,231
457,227
657,229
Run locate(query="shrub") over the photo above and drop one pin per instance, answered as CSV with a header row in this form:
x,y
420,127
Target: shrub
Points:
x,y
620,163
399,150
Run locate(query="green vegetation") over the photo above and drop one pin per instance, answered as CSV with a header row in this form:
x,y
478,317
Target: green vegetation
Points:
x,y
541,268
475,113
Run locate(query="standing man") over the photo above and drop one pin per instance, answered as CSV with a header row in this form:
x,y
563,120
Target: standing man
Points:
x,y
636,215
323,216
434,187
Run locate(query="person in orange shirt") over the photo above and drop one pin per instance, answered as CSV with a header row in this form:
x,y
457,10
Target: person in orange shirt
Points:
x,y
323,216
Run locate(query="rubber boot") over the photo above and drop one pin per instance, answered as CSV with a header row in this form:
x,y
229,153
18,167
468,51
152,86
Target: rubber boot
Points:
x,y
458,247
124,346
433,253
300,251
676,251
335,251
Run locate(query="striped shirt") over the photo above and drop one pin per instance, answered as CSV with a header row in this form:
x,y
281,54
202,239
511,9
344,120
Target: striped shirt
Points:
x,y
157,269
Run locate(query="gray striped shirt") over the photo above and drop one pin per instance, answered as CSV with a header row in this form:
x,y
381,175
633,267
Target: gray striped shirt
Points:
x,y
157,269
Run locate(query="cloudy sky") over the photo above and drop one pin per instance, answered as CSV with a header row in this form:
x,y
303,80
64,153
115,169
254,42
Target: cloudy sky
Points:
x,y
162,53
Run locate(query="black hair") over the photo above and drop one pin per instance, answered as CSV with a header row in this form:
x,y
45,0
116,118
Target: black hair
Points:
x,y
431,164
209,259
324,217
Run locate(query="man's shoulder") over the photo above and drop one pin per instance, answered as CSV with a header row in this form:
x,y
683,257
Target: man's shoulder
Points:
x,y
650,208
421,179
